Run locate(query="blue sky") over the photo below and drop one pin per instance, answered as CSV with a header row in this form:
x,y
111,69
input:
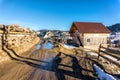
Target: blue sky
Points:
x,y
58,14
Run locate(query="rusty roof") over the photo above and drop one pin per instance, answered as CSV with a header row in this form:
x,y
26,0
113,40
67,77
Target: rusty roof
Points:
x,y
90,27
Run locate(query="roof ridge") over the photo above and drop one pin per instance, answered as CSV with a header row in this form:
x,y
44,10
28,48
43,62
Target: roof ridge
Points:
x,y
88,22
91,27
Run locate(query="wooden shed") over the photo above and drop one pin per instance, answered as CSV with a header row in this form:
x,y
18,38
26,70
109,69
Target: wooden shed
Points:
x,y
89,33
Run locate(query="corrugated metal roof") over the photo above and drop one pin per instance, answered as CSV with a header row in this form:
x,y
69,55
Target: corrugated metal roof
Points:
x,y
90,27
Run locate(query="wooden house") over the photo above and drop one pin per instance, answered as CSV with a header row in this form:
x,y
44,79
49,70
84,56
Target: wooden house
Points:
x,y
89,33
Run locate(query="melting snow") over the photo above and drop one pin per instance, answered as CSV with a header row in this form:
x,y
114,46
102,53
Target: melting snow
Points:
x,y
92,53
101,74
69,46
115,37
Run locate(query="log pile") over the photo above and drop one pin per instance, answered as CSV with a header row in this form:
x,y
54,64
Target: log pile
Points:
x,y
16,36
1,26
15,28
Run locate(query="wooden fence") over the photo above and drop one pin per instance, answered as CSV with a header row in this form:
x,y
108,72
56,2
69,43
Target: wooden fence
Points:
x,y
113,57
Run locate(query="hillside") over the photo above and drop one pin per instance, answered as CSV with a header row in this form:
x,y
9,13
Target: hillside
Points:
x,y
114,27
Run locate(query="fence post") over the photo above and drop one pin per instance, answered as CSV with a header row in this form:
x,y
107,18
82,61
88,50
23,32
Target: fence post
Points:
x,y
99,49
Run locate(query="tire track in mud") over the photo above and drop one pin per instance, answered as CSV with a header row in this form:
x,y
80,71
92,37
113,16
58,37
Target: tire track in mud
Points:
x,y
32,75
38,73
44,73
35,54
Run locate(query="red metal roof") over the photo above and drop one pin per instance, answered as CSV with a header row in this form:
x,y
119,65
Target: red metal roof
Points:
x,y
90,27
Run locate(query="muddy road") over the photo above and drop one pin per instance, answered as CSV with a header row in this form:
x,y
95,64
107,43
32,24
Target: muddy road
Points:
x,y
43,63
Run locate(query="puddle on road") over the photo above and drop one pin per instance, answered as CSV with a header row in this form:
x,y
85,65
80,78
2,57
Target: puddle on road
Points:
x,y
48,57
38,46
48,45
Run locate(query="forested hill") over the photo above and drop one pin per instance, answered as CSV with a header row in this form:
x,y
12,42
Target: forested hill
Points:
x,y
114,28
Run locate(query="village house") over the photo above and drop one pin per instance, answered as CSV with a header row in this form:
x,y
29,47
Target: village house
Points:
x,y
61,36
89,34
48,34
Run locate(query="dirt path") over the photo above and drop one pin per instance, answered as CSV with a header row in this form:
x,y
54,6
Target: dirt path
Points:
x,y
45,64
31,67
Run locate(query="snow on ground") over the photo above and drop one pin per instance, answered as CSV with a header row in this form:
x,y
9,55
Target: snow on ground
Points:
x,y
101,74
92,53
115,37
69,46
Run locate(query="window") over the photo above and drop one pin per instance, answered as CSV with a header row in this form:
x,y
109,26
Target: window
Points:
x,y
88,40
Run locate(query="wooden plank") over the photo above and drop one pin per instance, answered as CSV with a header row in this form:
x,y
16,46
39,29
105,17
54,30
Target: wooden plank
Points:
x,y
111,50
114,51
111,60
110,54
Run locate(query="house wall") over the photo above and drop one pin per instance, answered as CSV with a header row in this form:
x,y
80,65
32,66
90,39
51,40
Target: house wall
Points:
x,y
95,38
75,39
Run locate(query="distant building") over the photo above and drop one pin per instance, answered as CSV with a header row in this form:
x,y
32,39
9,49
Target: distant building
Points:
x,y
61,36
89,33
48,34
